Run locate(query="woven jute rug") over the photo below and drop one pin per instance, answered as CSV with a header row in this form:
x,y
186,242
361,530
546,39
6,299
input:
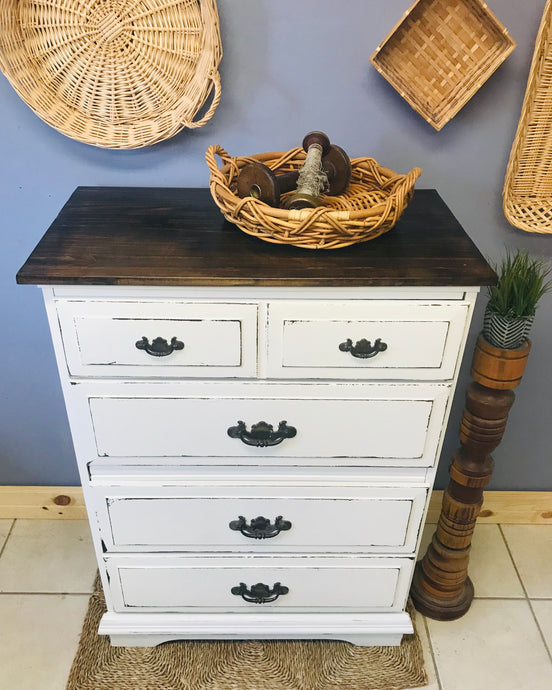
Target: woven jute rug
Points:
x,y
242,665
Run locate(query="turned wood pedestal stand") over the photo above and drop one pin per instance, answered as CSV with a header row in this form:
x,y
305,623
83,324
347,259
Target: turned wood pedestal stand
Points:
x,y
441,588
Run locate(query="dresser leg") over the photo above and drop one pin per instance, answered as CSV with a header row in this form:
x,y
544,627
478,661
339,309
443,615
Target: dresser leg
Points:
x,y
441,588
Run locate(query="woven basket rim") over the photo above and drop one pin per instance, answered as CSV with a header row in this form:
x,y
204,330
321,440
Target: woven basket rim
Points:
x,y
304,213
328,227
158,111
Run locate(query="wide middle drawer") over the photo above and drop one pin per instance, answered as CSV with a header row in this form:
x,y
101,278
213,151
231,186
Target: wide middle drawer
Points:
x,y
153,339
266,424
261,518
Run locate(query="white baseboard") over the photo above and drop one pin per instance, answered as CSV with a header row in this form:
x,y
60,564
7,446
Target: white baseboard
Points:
x,y
66,503
506,507
42,502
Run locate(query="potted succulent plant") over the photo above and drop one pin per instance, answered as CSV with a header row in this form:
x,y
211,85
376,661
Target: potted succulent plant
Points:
x,y
513,300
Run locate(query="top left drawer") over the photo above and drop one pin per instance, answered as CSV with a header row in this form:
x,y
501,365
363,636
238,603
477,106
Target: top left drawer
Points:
x,y
166,339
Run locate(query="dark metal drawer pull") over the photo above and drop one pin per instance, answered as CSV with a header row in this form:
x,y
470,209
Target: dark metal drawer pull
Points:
x,y
260,527
364,348
262,434
159,347
259,593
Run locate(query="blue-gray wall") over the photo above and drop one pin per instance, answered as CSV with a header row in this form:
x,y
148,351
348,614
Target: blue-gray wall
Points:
x,y
289,67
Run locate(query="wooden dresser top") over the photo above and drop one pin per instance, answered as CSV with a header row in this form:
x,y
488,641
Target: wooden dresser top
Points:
x,y
178,237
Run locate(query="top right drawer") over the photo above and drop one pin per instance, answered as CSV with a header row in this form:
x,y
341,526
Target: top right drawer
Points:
x,y
366,339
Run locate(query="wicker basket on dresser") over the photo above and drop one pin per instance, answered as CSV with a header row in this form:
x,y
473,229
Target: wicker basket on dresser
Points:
x,y
256,427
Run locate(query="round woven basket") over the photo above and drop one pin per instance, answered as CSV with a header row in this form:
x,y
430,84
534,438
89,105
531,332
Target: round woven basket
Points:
x,y
117,74
372,204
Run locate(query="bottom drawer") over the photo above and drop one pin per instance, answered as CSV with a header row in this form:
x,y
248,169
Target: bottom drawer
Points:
x,y
224,583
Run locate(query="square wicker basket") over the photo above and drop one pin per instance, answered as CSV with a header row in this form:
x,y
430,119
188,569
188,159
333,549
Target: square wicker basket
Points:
x,y
440,54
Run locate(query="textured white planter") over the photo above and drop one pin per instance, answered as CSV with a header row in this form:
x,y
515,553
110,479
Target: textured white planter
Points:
x,y
506,332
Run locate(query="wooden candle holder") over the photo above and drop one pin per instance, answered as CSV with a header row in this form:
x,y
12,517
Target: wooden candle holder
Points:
x,y
441,588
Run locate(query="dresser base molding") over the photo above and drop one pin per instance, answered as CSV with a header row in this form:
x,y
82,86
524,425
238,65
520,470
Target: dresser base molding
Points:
x,y
148,630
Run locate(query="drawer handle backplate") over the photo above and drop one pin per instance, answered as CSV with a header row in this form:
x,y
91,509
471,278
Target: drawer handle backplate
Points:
x,y
260,527
363,348
262,434
259,593
159,347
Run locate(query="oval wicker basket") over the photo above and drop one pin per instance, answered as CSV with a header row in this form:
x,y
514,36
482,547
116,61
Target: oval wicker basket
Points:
x,y
372,204
527,193
113,73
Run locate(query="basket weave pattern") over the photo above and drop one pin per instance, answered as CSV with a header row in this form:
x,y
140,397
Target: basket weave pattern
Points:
x,y
113,73
372,204
441,53
527,194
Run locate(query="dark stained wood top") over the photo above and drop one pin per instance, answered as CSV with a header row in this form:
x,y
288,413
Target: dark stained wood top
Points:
x,y
157,236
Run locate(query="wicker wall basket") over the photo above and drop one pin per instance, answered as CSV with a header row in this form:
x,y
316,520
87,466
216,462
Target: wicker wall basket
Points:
x,y
113,73
440,53
372,204
527,194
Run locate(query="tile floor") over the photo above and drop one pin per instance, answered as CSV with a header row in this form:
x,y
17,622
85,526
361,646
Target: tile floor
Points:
x,y
504,642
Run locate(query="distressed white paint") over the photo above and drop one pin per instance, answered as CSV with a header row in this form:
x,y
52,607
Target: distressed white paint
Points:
x,y
331,423
240,293
162,479
148,629
100,338
197,518
176,583
172,472
422,339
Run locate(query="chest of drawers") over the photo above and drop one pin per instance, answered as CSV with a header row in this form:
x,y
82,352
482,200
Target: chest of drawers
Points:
x,y
256,428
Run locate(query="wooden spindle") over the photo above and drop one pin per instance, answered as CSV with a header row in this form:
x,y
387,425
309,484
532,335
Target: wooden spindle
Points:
x,y
441,588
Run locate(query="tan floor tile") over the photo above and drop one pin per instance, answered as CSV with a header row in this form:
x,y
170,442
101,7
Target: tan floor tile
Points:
x,y
428,657
39,634
48,556
491,569
4,531
543,612
531,547
495,645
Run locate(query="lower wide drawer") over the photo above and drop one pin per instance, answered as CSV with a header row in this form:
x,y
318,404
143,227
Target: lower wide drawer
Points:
x,y
298,583
261,518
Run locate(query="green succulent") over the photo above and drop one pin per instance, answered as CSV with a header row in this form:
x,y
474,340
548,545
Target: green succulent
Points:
x,y
521,284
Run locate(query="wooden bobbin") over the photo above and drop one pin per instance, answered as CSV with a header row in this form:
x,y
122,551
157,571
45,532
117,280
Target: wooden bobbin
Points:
x,y
312,179
259,181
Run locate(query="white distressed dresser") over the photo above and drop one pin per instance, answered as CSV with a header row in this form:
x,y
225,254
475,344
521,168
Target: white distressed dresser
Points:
x,y
256,426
